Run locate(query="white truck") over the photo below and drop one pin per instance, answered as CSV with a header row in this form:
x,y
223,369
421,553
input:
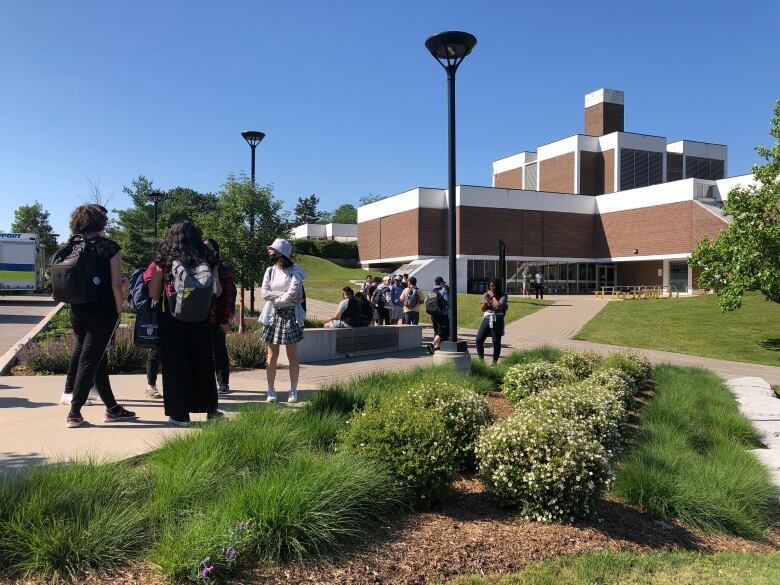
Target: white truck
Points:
x,y
21,263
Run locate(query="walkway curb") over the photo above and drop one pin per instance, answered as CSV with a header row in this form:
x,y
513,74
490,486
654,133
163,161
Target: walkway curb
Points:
x,y
8,360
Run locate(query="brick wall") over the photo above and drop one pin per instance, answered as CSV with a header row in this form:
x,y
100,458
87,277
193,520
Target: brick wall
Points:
x,y
399,234
512,179
591,173
609,171
604,118
432,232
663,229
639,273
556,174
368,239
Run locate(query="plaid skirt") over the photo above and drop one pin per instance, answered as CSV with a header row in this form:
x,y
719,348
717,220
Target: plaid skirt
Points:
x,y
284,329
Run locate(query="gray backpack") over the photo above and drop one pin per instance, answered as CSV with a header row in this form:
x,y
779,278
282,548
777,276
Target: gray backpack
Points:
x,y
193,292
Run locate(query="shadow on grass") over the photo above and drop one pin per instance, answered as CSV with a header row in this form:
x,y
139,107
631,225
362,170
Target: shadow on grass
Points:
x,y
771,344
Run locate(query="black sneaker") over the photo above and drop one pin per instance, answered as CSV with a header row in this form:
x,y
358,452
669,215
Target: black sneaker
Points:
x,y
74,420
215,415
118,414
176,421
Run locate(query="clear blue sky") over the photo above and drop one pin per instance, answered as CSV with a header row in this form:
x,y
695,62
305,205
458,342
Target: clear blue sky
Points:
x,y
349,98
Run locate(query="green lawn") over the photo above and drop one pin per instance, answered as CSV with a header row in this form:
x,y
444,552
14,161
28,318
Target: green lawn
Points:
x,y
692,325
326,279
659,568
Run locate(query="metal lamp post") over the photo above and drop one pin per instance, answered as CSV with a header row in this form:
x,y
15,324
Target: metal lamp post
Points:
x,y
449,49
253,138
155,196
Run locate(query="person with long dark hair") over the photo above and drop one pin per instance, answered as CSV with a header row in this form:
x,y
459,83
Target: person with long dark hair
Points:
x,y
494,306
95,321
283,315
186,271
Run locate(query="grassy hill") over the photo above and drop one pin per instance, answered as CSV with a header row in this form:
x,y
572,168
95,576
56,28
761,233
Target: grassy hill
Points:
x,y
326,279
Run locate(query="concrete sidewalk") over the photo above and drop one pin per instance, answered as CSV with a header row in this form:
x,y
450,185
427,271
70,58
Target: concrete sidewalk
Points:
x,y
19,315
32,423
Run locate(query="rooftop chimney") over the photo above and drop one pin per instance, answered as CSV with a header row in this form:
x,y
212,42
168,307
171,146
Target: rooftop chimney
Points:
x,y
603,112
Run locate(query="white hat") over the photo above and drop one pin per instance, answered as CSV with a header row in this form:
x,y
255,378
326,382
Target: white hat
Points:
x,y
282,246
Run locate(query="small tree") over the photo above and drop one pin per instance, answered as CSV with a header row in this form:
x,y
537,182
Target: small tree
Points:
x,y
306,210
241,247
371,198
746,256
345,214
34,219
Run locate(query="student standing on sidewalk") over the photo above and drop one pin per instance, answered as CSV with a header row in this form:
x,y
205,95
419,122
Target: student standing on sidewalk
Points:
x,y
437,305
88,271
220,319
410,299
283,315
539,284
494,305
153,358
185,281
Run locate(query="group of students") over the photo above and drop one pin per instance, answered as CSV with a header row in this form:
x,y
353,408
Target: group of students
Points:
x,y
535,280
193,297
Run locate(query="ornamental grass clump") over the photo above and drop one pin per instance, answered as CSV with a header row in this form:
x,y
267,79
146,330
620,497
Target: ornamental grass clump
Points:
x,y
50,356
523,380
636,366
553,469
596,407
246,350
463,411
412,442
581,363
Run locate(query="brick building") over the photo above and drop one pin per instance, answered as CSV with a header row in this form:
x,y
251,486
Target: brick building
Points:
x,y
607,207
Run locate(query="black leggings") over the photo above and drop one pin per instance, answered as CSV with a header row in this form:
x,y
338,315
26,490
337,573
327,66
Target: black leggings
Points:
x,y
93,335
152,366
495,332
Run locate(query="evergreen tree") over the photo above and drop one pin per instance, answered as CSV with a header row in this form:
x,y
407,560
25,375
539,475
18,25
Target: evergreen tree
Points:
x,y
306,210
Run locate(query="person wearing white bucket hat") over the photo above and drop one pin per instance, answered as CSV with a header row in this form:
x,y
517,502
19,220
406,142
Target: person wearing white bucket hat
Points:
x,y
283,315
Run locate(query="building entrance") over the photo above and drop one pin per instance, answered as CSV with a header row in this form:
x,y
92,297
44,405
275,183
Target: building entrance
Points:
x,y
678,276
605,274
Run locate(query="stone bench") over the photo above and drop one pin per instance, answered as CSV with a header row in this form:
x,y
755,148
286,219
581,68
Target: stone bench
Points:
x,y
321,344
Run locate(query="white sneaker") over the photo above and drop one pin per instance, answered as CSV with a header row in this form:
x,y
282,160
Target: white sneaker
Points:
x,y
271,397
67,398
152,392
292,397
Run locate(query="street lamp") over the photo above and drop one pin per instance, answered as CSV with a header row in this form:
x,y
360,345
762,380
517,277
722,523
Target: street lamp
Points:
x,y
450,49
155,196
253,138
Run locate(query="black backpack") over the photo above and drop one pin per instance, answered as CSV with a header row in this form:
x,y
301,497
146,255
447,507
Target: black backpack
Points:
x,y
412,297
433,303
377,299
74,272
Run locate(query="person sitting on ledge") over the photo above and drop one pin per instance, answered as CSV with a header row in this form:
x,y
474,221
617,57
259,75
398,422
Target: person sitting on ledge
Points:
x,y
347,313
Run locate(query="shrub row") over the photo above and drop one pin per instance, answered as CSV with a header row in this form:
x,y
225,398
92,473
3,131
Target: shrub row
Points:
x,y
326,249
551,459
52,355
424,433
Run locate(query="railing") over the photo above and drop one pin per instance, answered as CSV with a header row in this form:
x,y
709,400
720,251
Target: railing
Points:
x,y
637,292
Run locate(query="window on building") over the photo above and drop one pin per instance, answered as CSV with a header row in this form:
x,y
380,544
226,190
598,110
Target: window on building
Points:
x,y
704,168
640,168
674,166
531,177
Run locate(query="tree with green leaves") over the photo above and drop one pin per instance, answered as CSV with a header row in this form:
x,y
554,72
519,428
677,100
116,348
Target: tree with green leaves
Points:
x,y
346,213
34,219
306,210
746,256
371,198
241,247
134,228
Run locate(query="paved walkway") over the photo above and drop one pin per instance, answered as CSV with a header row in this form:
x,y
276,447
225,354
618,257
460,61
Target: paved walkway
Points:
x,y
32,423
19,315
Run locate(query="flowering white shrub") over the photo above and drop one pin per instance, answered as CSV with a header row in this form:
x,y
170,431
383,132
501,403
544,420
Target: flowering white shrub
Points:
x,y
636,366
463,411
581,363
615,380
523,380
597,407
552,468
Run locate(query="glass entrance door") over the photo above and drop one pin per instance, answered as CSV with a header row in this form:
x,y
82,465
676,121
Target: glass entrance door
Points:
x,y
605,275
678,276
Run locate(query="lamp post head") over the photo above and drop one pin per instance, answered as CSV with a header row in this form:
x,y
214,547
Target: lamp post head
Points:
x,y
253,137
451,47
155,196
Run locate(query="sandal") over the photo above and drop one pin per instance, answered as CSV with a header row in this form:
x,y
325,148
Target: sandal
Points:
x,y
117,414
